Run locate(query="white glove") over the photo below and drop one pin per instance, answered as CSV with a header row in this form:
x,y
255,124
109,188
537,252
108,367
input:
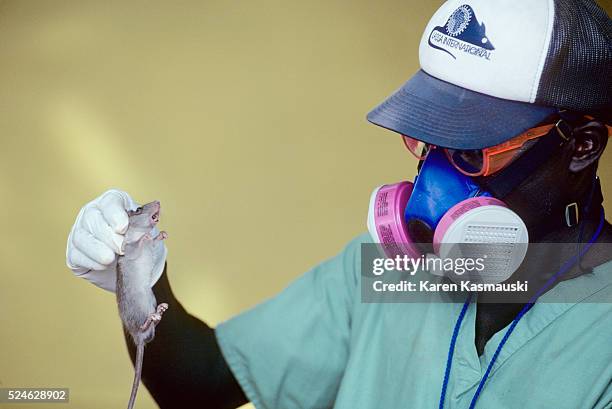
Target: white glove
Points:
x,y
96,238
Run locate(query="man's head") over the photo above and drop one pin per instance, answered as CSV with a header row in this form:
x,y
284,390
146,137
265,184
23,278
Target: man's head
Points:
x,y
511,105
492,70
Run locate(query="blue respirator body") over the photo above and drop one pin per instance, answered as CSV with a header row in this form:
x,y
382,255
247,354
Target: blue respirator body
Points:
x,y
437,188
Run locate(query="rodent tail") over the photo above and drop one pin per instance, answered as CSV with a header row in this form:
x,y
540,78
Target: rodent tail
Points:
x,y
137,373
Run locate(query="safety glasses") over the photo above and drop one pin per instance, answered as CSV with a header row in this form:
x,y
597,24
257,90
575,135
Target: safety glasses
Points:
x,y
481,162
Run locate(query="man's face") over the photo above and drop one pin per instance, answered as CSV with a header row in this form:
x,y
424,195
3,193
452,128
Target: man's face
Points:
x,y
556,174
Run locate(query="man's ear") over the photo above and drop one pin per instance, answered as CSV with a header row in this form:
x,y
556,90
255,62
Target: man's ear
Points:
x,y
590,140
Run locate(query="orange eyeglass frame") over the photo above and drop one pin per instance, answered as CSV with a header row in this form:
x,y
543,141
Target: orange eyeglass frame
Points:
x,y
494,158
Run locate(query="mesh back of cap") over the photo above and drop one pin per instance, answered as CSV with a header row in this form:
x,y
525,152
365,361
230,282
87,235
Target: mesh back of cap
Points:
x,y
577,74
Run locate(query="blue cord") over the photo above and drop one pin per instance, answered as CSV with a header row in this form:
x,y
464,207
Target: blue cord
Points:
x,y
451,350
566,266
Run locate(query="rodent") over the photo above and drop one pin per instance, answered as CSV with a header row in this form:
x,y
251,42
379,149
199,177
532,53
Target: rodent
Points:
x,y
138,307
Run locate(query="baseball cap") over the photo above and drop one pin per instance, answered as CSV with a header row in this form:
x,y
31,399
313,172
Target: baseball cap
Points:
x,y
491,69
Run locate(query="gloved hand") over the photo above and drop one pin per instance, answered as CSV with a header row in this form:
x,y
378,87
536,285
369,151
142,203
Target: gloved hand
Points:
x,y
96,238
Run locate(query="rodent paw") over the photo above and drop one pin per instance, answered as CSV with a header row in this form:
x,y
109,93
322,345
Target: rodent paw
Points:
x,y
161,308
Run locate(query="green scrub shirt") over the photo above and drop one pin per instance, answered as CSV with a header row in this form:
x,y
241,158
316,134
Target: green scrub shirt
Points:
x,y
316,345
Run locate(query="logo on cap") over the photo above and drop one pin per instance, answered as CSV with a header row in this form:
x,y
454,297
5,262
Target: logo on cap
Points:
x,y
462,32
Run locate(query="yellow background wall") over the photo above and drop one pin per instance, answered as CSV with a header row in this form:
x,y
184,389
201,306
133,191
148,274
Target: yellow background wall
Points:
x,y
245,118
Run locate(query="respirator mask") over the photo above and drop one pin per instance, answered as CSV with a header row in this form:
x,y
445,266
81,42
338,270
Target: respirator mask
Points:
x,y
447,213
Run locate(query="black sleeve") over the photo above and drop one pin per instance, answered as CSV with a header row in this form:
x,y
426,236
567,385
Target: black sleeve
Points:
x,y
183,366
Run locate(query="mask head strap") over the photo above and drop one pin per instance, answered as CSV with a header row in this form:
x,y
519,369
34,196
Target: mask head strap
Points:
x,y
503,182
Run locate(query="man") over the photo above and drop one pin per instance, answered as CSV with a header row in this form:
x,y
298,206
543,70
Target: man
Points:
x,y
491,72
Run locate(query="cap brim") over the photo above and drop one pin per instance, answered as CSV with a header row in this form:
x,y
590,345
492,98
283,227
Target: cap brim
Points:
x,y
443,114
